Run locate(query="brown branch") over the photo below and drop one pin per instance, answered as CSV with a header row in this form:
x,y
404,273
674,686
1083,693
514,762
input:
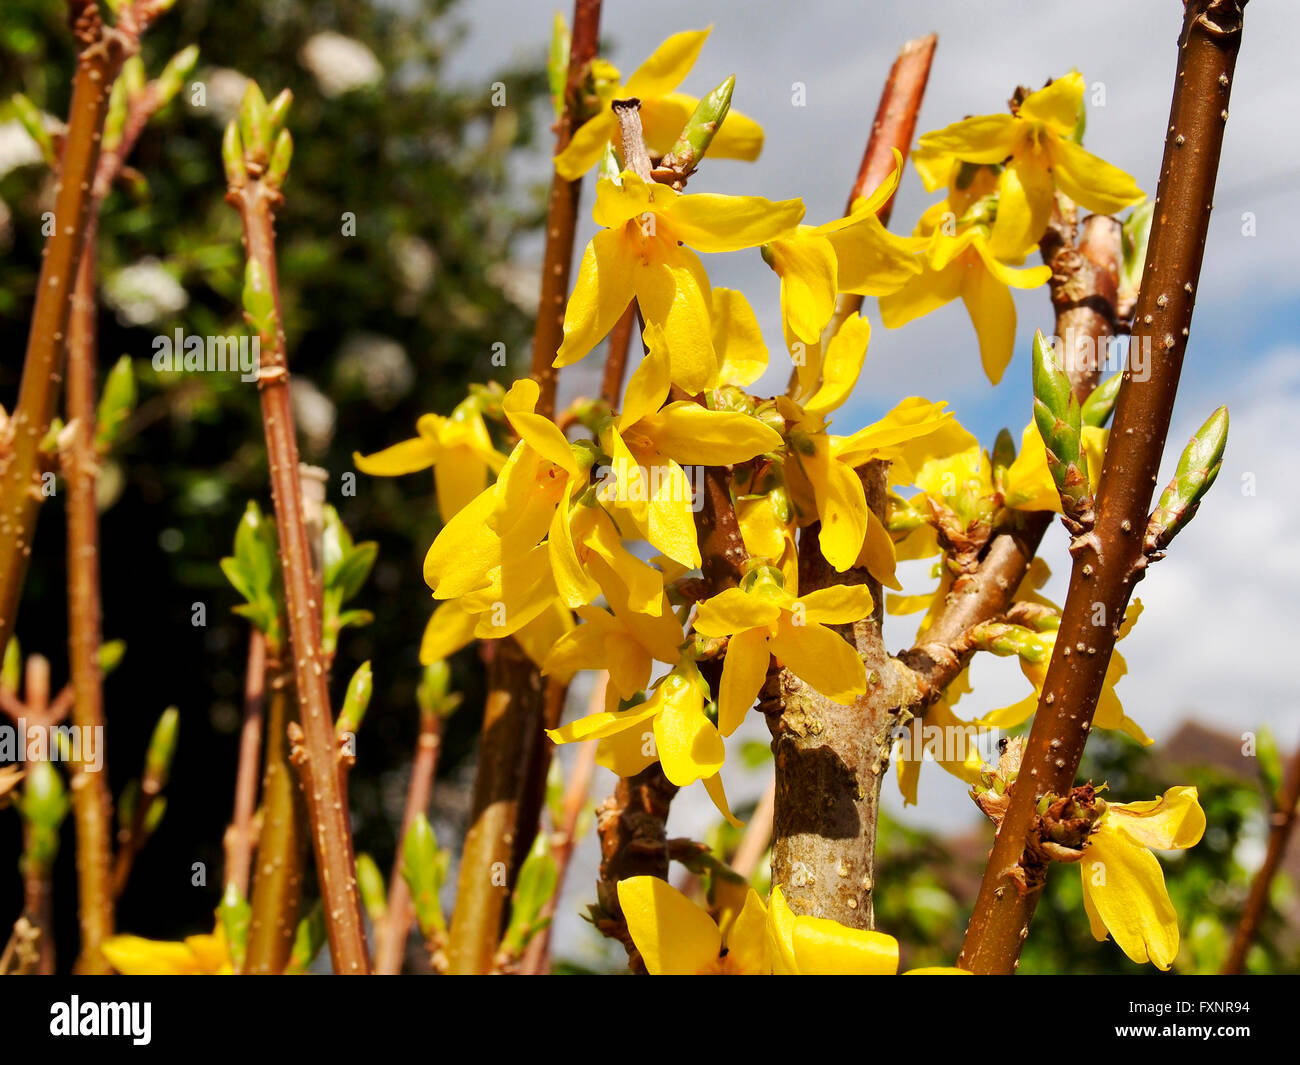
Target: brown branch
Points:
x,y
620,342
282,841
101,52
1110,560
256,201
511,727
758,835
37,863
239,839
1281,823
537,957
391,937
562,211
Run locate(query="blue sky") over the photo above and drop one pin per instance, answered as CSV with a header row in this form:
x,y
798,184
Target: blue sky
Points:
x,y
1216,641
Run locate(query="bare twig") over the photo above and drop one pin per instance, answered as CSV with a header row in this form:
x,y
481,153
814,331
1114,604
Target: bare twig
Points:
x,y
240,835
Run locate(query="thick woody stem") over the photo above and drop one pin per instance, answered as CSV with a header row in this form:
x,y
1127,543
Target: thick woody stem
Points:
x,y
21,494
562,212
1282,823
391,940
239,836
1110,561
331,833
830,759
511,728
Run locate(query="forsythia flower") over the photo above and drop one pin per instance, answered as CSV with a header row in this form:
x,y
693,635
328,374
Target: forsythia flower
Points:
x,y
852,254
1038,147
640,255
647,441
675,937
762,618
686,743
960,262
663,111
1123,886
205,955
458,448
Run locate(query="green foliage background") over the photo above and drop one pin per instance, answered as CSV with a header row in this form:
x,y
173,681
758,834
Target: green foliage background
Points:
x,y
426,168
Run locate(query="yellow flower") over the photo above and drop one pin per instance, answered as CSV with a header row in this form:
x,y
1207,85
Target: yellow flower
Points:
x,y
205,955
677,938
686,743
961,263
458,448
1040,153
625,645
491,542
1110,711
640,254
1123,886
663,111
762,618
648,441
851,254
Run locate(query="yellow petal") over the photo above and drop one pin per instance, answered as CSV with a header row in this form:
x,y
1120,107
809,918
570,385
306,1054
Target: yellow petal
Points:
x,y
1092,182
1025,196
1056,105
743,672
737,339
574,584
981,139
809,280
780,934
601,294
841,366
873,261
1126,888
878,554
733,610
406,457
673,292
605,722
625,753
136,956
711,222
667,65
690,747
1175,821
675,937
713,786
840,604
746,939
926,292
695,435
587,146
449,629
650,382
1027,483
670,515
820,658
458,478
993,313
465,550
827,948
